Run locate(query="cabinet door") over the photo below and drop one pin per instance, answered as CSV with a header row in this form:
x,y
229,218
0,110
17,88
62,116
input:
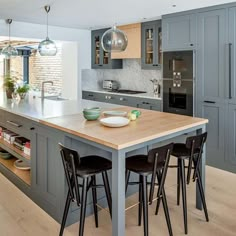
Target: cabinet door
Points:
x,y
211,55
231,149
47,170
231,82
179,32
215,147
100,58
151,45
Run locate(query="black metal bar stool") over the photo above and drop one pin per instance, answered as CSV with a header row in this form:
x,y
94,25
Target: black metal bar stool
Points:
x,y
85,168
192,151
155,163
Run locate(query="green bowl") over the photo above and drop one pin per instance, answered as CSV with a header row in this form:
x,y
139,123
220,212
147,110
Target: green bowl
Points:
x,y
92,112
91,116
5,155
92,109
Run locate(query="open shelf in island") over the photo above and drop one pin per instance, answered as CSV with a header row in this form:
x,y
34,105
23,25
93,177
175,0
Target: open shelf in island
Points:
x,y
14,151
22,174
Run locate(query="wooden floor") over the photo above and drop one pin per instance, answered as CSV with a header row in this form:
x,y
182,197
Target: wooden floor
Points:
x,y
20,216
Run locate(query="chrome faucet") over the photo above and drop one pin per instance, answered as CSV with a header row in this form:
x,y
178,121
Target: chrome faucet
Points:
x,y
42,88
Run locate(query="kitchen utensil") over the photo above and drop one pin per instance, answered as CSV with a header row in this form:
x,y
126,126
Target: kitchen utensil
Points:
x,y
115,121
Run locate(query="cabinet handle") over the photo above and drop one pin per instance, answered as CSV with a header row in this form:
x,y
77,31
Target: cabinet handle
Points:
x,y
99,65
191,44
146,103
90,95
13,123
122,99
32,128
230,69
212,102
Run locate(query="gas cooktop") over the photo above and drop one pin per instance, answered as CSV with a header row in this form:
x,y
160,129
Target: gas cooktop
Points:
x,y
127,91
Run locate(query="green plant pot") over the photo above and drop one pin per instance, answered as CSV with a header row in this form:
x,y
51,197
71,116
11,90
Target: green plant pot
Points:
x,y
9,93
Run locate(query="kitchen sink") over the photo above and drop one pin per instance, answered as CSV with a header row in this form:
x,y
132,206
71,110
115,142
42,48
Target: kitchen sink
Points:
x,y
55,98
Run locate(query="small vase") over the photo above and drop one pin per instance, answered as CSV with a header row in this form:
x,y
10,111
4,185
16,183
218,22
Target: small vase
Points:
x,y
9,93
22,95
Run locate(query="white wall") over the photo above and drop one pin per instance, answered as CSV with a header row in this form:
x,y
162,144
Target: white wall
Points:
x,y
79,59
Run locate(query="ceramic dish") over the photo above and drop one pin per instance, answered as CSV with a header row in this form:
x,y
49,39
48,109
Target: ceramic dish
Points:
x,y
115,121
114,113
5,155
21,165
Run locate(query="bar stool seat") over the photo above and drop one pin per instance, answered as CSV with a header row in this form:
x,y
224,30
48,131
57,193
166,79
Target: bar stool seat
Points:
x,y
139,164
180,151
91,165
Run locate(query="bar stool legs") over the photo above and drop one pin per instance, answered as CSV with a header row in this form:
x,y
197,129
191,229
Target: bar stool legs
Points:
x,y
184,198
145,205
94,194
140,206
83,206
107,191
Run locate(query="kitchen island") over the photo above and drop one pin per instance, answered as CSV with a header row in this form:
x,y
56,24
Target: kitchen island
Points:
x,y
48,187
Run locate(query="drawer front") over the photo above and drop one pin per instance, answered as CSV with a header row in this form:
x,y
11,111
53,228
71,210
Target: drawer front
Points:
x,y
2,117
18,124
88,96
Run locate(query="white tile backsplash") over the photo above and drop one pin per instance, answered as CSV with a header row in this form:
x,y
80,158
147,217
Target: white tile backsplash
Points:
x,y
130,77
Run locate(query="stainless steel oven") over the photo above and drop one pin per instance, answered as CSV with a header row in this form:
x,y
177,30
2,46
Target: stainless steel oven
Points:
x,y
178,77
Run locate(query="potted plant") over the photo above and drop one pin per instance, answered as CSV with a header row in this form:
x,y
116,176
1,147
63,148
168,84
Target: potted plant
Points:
x,y
9,84
22,90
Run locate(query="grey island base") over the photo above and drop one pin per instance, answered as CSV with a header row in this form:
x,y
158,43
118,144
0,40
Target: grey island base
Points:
x,y
47,186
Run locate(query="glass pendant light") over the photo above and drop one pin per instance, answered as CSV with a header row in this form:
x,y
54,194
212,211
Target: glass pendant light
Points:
x,y
9,51
114,40
47,47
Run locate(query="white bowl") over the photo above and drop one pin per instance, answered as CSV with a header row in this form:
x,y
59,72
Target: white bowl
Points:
x,y
115,122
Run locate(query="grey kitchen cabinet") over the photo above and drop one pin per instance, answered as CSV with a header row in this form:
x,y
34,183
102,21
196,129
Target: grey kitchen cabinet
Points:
x,y
210,81
215,148
231,141
179,32
231,82
47,170
154,105
145,103
211,54
100,58
151,41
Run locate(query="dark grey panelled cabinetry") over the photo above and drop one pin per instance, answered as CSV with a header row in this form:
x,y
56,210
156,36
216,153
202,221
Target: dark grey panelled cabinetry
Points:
x,y
232,55
211,80
231,148
47,172
145,103
151,45
178,32
100,58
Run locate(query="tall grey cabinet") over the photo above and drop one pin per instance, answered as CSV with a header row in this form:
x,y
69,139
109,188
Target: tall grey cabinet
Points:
x,y
216,83
211,66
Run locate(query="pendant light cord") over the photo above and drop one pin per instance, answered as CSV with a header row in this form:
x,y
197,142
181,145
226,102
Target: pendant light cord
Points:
x,y
47,9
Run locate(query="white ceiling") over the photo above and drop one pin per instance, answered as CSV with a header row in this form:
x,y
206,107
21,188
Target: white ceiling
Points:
x,y
95,13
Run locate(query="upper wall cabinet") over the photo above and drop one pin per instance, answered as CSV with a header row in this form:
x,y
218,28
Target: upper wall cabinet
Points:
x,y
100,58
179,32
151,45
133,50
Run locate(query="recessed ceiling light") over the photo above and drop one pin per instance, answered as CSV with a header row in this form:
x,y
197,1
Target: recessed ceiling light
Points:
x,y
173,5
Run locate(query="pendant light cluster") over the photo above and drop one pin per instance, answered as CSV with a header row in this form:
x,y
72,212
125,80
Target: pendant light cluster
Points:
x,y
114,40
9,51
47,47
